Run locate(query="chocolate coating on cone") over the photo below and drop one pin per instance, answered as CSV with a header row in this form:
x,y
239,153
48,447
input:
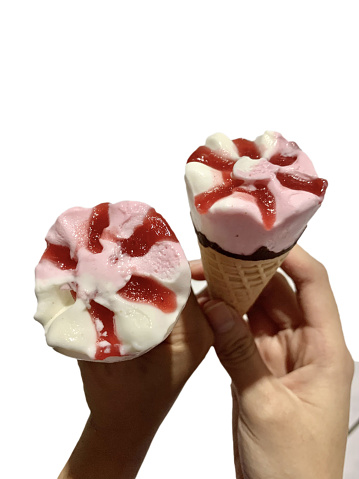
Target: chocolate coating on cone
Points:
x,y
262,253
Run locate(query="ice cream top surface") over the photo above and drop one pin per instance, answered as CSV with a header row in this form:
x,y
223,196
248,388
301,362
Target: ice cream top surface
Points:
x,y
111,281
246,195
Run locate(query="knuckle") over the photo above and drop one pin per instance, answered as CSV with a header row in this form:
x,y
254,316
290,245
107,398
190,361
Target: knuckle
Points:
x,y
314,273
319,270
238,351
348,366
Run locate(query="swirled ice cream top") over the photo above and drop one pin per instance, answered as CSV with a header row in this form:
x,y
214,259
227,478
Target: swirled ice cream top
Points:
x,y
249,195
111,282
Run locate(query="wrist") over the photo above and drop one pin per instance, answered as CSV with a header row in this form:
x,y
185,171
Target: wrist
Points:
x,y
107,452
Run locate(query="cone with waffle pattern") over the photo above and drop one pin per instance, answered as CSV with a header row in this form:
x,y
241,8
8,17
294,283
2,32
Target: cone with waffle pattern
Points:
x,y
238,282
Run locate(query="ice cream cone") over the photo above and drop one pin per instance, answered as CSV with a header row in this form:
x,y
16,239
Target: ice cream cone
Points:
x,y
236,281
249,200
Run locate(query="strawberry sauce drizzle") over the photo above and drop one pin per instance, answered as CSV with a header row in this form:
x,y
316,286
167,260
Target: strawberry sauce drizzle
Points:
x,y
147,290
281,160
153,229
105,331
316,186
247,148
265,202
59,255
99,220
263,196
205,200
139,289
207,157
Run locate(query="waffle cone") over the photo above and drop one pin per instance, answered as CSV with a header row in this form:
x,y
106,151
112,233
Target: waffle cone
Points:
x,y
238,282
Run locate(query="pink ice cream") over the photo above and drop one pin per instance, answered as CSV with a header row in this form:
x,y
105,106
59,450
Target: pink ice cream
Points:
x,y
111,283
252,199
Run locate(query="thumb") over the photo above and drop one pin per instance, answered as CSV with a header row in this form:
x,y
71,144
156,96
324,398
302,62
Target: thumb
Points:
x,y
235,345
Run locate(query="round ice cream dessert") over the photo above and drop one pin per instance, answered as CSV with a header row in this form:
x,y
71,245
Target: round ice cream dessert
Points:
x,y
252,199
111,282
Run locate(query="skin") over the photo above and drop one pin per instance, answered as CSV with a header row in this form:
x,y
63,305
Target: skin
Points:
x,y
129,400
291,376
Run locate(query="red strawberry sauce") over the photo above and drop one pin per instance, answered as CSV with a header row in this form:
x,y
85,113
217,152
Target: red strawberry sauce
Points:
x,y
138,289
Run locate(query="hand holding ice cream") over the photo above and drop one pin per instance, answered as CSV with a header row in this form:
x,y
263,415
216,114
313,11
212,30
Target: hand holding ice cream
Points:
x,y
129,400
291,374
112,284
113,280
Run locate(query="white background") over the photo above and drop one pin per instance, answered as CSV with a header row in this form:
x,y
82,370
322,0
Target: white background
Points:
x,y
104,101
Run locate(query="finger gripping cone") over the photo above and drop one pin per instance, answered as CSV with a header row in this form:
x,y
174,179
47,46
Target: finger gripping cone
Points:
x,y
237,282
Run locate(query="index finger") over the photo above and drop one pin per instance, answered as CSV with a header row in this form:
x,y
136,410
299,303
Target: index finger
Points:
x,y
197,270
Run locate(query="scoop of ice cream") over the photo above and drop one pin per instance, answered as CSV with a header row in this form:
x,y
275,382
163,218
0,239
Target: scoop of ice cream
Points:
x,y
252,196
111,282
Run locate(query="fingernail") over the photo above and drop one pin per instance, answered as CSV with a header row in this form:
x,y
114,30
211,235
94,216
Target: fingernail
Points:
x,y
195,262
220,316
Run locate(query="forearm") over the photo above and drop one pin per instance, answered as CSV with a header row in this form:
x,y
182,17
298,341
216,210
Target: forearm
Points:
x,y
107,454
